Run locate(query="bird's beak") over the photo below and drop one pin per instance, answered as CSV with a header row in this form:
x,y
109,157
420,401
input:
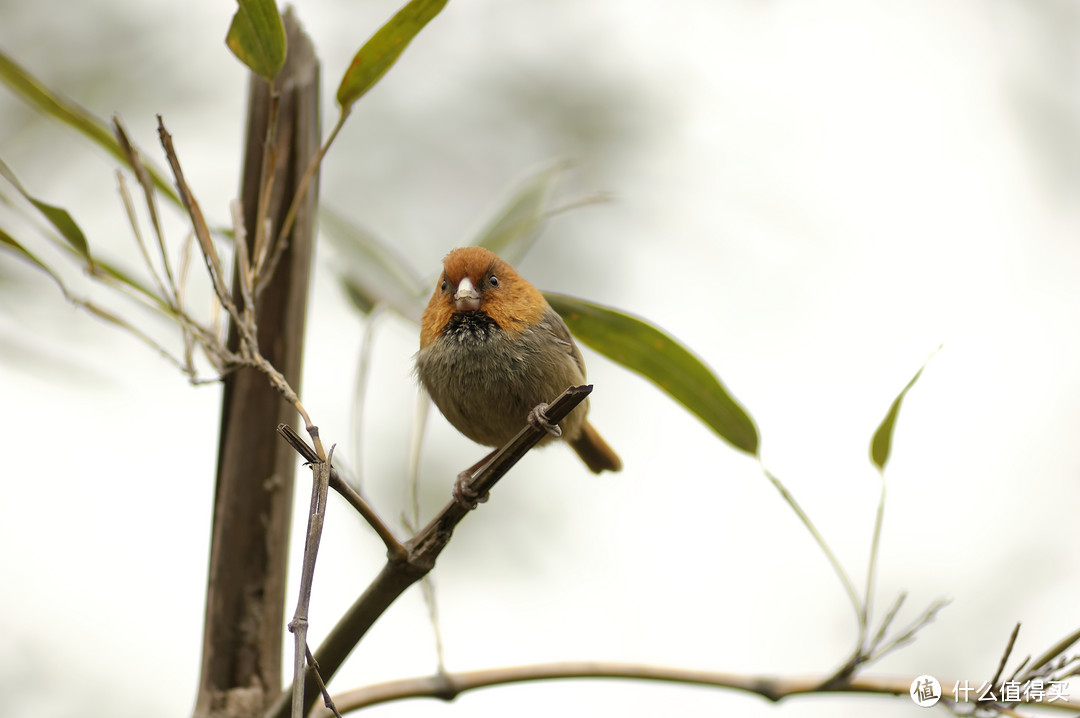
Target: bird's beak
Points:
x,y
466,298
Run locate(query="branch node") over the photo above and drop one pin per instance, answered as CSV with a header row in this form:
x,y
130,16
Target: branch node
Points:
x,y
444,687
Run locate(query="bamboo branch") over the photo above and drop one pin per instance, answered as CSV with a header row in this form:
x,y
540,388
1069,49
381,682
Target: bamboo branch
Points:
x,y
448,686
420,554
394,547
299,624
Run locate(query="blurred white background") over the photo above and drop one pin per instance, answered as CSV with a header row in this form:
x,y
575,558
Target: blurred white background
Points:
x,y
811,196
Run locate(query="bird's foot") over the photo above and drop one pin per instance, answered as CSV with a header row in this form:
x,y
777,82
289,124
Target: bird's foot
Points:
x,y
464,494
538,418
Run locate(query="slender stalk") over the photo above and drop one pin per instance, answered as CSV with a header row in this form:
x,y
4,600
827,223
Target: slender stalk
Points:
x,y
299,624
129,210
297,202
1005,655
849,587
131,153
394,548
266,185
871,571
363,371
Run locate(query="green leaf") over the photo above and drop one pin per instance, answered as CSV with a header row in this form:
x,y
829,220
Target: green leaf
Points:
x,y
71,113
119,275
257,37
57,217
383,49
881,444
62,221
659,358
517,226
9,242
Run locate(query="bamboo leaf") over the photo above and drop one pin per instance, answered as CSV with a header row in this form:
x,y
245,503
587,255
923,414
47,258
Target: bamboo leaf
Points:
x,y
383,49
13,245
56,216
118,321
257,37
117,274
881,444
71,113
513,231
650,352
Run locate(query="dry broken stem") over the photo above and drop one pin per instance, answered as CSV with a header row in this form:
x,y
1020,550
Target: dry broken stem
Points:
x,y
249,354
299,624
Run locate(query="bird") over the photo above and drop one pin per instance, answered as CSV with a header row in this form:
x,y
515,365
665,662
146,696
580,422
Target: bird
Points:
x,y
493,353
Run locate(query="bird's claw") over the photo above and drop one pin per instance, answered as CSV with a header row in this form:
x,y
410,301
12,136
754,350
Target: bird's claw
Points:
x,y
538,418
464,494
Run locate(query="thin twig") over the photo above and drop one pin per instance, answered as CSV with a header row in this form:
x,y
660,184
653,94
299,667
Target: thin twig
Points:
x,y
266,187
133,220
871,571
1006,654
249,344
412,466
363,371
243,261
208,336
864,648
131,328
886,622
328,701
309,425
245,325
299,624
301,192
202,231
1019,668
131,153
337,483
908,634
849,587
427,588
1056,650
412,520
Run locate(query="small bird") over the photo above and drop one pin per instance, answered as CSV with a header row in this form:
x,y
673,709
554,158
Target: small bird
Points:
x,y
493,352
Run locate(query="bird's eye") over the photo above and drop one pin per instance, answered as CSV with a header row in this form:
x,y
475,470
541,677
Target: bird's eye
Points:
x,y
493,281
443,286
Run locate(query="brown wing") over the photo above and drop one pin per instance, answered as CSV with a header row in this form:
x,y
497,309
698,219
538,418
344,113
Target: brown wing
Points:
x,y
561,332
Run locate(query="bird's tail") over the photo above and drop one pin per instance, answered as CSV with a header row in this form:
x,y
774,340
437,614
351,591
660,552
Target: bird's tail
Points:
x,y
594,451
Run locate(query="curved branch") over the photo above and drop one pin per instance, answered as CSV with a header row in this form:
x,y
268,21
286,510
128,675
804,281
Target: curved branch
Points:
x,y
449,686
394,548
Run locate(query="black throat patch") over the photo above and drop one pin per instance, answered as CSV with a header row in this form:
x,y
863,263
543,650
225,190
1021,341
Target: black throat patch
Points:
x,y
470,327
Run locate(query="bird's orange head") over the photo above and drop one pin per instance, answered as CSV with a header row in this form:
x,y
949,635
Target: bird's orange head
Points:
x,y
475,279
